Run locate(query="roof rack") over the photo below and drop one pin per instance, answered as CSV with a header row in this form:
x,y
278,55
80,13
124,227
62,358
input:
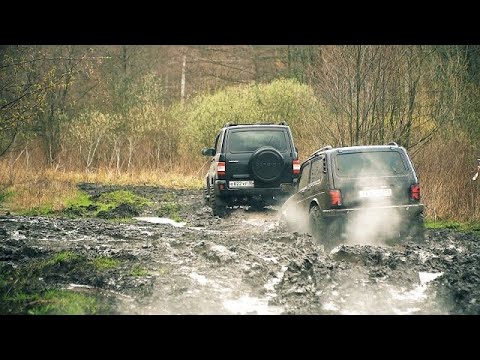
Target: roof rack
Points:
x,y
257,123
328,147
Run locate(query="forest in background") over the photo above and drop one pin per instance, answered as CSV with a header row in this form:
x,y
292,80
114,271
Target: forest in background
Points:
x,y
150,109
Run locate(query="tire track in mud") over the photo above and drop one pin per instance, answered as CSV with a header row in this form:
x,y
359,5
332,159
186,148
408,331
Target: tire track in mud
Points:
x,y
247,264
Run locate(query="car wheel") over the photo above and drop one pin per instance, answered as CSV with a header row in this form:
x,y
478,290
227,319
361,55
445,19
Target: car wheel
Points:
x,y
267,164
323,231
417,229
219,207
206,194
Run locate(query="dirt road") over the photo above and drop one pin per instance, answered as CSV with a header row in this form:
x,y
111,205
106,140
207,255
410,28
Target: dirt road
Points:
x,y
244,264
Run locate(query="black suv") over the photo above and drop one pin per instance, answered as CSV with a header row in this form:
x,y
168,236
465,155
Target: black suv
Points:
x,y
354,192
252,164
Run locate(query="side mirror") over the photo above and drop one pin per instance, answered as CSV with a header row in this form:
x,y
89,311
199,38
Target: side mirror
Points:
x,y
208,152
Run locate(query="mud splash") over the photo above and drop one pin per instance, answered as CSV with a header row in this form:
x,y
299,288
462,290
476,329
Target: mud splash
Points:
x,y
243,264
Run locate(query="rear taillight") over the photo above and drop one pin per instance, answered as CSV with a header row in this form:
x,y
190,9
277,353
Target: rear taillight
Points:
x,y
221,168
335,197
415,192
296,167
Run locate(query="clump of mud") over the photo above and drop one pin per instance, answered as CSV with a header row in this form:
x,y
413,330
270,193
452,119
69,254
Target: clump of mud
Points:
x,y
120,211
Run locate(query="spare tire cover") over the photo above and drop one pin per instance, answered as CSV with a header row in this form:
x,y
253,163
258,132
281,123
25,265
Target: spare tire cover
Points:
x,y
267,164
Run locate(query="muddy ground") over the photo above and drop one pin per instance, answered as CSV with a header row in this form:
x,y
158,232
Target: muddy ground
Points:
x,y
243,264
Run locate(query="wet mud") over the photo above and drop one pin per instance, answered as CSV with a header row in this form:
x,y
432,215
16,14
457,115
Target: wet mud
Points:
x,y
242,264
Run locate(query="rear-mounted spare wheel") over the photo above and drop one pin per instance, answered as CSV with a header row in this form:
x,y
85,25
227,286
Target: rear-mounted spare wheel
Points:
x,y
267,164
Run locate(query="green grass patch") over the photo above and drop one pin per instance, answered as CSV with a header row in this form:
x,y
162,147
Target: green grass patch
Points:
x,y
473,226
62,258
83,205
33,287
79,205
5,194
43,210
105,263
63,302
138,271
112,199
169,207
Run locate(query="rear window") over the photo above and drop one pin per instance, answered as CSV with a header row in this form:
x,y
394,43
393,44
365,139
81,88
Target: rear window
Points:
x,y
249,141
367,164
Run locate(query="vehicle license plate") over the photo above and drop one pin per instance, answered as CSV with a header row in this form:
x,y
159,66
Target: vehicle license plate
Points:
x,y
240,184
375,193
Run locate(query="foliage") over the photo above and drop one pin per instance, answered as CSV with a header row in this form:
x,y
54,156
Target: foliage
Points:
x,y
138,271
472,226
281,100
105,263
61,258
63,302
169,207
118,110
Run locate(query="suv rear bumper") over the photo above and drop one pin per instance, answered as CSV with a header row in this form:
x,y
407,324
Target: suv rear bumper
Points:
x,y
405,211
284,189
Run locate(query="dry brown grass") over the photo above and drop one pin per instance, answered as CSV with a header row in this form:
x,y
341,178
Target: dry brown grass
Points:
x,y
48,188
445,169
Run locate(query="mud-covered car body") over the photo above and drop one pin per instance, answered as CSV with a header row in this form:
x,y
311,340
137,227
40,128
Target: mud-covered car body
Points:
x,y
255,164
367,186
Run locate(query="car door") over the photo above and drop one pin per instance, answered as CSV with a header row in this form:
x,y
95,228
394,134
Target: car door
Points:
x,y
301,195
313,187
315,191
216,157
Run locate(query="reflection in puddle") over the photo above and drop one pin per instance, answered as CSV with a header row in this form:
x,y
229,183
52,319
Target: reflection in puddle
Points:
x,y
160,220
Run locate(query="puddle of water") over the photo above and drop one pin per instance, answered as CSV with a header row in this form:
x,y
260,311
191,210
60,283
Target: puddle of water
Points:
x,y
77,286
417,294
270,285
330,306
408,311
258,306
426,277
160,220
250,305
201,279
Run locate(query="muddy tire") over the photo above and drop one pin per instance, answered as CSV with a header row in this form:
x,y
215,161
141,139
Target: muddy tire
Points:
x,y
324,232
417,230
219,207
206,195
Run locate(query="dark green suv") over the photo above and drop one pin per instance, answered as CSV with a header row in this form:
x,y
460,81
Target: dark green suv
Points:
x,y
252,164
363,194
